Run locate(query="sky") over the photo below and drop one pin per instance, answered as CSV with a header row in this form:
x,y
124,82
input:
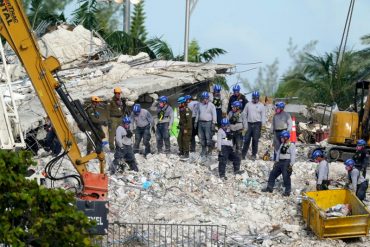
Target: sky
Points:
x,y
257,31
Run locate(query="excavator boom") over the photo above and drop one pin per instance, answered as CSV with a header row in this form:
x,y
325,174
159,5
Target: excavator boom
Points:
x,y
16,30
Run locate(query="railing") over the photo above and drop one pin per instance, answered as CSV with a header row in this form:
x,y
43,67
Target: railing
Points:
x,y
153,235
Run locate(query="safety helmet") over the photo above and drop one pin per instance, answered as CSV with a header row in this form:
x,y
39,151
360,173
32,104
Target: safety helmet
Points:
x,y
187,97
285,134
225,121
204,95
255,95
361,142
237,104
280,105
316,154
126,120
349,162
95,99
216,88
181,100
136,108
163,99
117,90
236,88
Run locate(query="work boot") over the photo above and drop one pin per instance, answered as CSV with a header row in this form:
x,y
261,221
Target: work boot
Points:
x,y
286,193
253,157
223,178
203,153
185,156
181,153
267,189
209,151
238,172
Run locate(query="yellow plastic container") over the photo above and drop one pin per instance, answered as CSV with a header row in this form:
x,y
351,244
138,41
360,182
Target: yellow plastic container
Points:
x,y
315,203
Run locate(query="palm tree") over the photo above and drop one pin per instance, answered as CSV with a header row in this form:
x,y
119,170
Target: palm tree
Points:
x,y
41,10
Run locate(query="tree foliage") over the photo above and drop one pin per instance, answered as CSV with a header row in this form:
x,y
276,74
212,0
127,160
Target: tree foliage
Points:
x,y
137,29
267,80
31,215
41,10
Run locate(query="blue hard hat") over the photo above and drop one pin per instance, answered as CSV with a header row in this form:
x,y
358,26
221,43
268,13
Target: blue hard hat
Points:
x,y
225,121
316,154
163,99
236,88
280,105
237,104
136,108
204,95
349,162
181,100
126,120
285,134
255,94
361,142
216,88
187,97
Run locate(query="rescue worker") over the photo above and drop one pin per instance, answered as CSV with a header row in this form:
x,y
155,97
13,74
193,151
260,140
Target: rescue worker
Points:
x,y
225,150
142,120
206,120
360,157
94,112
238,125
255,117
193,106
280,122
322,170
358,182
237,96
124,151
186,127
220,103
165,120
51,140
285,158
116,110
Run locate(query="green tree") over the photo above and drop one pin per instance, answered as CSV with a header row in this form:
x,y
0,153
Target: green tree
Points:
x,y
40,10
51,6
137,29
267,80
31,215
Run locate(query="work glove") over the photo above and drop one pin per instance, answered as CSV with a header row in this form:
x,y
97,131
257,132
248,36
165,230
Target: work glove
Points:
x,y
129,133
213,127
290,170
244,131
153,129
318,187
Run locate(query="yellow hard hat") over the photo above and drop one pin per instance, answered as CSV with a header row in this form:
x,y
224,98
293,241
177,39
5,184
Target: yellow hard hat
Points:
x,y
95,99
117,90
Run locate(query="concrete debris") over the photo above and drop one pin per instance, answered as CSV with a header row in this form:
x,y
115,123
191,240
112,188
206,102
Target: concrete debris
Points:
x,y
339,210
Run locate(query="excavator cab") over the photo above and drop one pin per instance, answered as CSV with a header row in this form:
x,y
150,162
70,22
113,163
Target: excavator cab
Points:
x,y
346,127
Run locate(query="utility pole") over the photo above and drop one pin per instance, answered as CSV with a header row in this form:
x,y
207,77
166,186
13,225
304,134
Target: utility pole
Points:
x,y
190,6
126,17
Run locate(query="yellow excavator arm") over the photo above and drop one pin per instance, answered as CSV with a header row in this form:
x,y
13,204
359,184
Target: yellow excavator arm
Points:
x,y
16,30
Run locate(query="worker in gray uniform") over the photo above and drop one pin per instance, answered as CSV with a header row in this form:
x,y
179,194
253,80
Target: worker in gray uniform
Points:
x,y
255,116
193,106
322,170
237,125
206,121
142,121
280,122
220,102
124,149
225,150
356,179
165,120
285,158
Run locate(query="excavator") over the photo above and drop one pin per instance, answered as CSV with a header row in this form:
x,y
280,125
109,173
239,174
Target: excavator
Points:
x,y
346,127
52,92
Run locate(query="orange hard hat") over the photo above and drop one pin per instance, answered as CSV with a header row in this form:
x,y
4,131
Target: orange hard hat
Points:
x,y
117,90
95,99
